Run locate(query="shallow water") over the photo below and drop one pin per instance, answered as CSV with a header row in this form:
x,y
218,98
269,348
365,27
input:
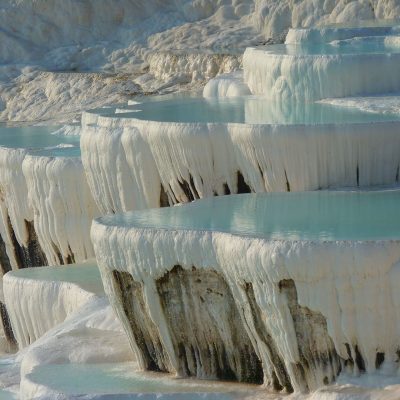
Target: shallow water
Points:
x,y
121,378
39,140
249,110
352,46
85,275
363,23
9,377
316,216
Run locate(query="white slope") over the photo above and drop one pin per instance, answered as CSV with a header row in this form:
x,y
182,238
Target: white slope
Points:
x,y
37,95
122,37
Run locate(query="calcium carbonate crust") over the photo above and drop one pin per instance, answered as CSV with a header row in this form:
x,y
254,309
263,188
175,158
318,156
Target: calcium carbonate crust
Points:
x,y
315,77
352,285
185,161
46,209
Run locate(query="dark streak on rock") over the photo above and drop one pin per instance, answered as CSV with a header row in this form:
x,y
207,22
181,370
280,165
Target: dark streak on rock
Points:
x,y
164,202
226,189
280,376
206,328
287,182
142,329
58,253
358,175
4,259
316,348
359,360
189,189
32,255
242,186
8,332
380,358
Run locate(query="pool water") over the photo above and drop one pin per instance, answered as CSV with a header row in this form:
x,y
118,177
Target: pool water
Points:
x,y
39,140
74,379
352,46
364,23
249,110
9,377
85,275
316,216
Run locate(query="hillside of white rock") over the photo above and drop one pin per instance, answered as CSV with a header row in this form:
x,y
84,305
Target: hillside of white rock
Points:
x,y
57,57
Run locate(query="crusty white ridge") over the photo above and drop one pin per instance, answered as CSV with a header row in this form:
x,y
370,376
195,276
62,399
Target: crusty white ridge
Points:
x,y
352,285
119,166
127,160
48,197
315,77
37,305
62,205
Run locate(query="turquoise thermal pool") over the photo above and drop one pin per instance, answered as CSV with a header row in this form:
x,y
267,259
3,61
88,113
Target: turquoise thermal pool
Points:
x,y
85,275
354,46
75,379
249,110
39,140
313,216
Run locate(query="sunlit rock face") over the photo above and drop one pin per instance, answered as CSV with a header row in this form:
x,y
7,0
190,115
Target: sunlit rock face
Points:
x,y
167,152
304,284
185,66
216,345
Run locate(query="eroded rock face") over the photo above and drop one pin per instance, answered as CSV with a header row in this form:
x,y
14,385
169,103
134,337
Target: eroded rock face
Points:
x,y
316,349
276,376
208,335
202,330
303,304
143,333
203,324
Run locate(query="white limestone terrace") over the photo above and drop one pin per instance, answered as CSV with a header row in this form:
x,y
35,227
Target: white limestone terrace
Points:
x,y
71,344
288,289
38,299
342,31
314,71
60,316
46,204
183,148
